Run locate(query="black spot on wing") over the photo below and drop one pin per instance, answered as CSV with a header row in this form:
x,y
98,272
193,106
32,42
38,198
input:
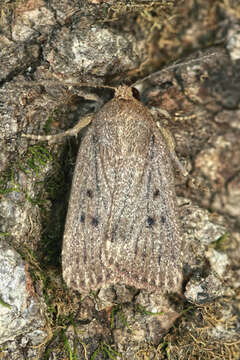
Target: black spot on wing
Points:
x,y
95,221
152,142
150,221
163,219
89,193
150,218
166,231
82,218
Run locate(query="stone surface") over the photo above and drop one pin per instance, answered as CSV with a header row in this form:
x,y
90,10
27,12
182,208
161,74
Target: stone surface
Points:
x,y
21,313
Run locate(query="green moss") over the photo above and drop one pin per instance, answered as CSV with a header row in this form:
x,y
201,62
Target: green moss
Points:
x,y
72,353
4,304
48,124
36,158
117,313
105,350
4,234
143,311
222,243
8,183
32,163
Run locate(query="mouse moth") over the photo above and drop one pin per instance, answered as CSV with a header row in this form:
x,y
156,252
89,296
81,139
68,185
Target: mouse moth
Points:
x,y
122,223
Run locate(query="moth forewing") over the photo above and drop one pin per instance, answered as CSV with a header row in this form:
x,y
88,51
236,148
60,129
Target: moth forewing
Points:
x,y
122,222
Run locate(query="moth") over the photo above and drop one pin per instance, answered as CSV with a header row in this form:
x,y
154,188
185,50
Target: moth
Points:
x,y
122,222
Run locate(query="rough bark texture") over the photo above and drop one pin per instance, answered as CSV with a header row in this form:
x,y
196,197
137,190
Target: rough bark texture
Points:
x,y
46,50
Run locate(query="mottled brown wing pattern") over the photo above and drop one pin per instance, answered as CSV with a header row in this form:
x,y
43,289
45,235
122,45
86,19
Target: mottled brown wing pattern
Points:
x,y
142,243
124,228
83,233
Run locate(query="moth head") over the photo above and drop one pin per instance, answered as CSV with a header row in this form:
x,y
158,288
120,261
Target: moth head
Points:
x,y
126,93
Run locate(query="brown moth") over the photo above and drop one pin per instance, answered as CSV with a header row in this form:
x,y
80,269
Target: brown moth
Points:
x,y
122,223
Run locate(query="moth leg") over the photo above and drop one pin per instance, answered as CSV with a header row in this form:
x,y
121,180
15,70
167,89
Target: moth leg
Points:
x,y
83,122
171,146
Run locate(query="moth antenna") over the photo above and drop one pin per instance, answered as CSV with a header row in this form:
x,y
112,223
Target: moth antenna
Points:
x,y
67,83
83,122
